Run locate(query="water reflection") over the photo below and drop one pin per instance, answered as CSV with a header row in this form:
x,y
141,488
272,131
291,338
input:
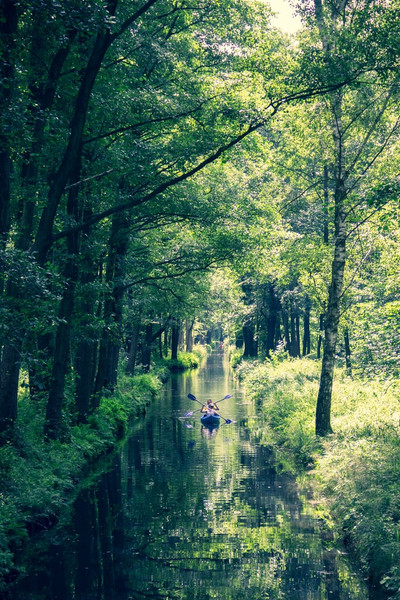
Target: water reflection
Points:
x,y
190,513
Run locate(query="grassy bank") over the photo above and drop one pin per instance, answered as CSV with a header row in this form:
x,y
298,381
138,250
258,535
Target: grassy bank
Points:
x,y
355,472
39,479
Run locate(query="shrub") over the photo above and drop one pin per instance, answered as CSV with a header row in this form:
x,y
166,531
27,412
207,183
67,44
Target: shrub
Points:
x,y
185,360
235,356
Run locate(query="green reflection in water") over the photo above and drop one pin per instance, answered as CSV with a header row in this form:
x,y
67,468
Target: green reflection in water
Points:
x,y
189,515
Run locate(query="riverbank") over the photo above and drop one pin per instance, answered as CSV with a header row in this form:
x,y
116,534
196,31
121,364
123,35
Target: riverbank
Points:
x,y
40,478
354,473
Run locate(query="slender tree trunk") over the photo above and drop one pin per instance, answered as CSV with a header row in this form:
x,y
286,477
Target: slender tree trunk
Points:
x,y
176,328
43,238
165,344
320,337
278,335
272,319
288,344
293,331
133,347
250,348
146,347
8,32
323,413
85,363
189,335
306,334
53,424
106,376
42,99
297,322
160,347
86,350
10,357
9,387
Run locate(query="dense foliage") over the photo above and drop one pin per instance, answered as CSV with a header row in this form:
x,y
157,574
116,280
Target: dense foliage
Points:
x,y
176,172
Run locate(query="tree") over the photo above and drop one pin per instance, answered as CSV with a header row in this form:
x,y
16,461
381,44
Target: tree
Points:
x,y
362,130
178,112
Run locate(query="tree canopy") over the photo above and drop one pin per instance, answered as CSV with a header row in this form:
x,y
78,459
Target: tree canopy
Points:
x,y
169,163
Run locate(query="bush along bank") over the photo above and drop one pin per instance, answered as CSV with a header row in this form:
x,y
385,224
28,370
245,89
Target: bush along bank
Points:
x,y
187,360
39,478
354,473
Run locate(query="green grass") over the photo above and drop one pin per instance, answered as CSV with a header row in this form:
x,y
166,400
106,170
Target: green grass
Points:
x,y
356,471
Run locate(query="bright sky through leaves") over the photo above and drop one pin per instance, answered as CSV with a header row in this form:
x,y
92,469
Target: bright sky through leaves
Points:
x,y
285,18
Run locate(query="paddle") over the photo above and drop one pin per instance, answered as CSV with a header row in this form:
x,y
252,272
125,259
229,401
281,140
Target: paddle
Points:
x,y
191,397
227,421
190,413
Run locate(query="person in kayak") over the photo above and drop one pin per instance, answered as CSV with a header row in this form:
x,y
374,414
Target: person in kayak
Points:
x,y
210,408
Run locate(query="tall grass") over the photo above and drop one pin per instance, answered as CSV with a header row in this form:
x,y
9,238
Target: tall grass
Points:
x,y
356,471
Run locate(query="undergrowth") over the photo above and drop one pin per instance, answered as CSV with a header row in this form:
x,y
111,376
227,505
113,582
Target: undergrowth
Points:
x,y
356,471
39,477
186,360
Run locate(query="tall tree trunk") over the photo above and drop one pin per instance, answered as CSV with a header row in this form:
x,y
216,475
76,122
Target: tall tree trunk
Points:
x,y
272,319
165,343
306,334
43,239
8,32
175,332
288,344
297,324
250,347
278,334
85,366
9,387
189,335
323,413
293,332
106,376
42,98
133,347
146,347
42,88
320,336
86,350
53,423
10,357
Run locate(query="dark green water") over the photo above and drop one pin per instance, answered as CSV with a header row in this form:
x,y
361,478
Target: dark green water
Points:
x,y
192,514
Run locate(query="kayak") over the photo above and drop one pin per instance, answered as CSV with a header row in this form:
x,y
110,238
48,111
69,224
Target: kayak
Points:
x,y
210,419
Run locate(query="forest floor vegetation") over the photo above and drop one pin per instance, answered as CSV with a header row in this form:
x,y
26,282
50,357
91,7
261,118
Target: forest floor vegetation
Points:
x,y
355,472
40,478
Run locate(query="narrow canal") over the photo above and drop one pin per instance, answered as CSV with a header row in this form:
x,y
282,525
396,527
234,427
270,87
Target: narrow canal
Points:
x,y
191,514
